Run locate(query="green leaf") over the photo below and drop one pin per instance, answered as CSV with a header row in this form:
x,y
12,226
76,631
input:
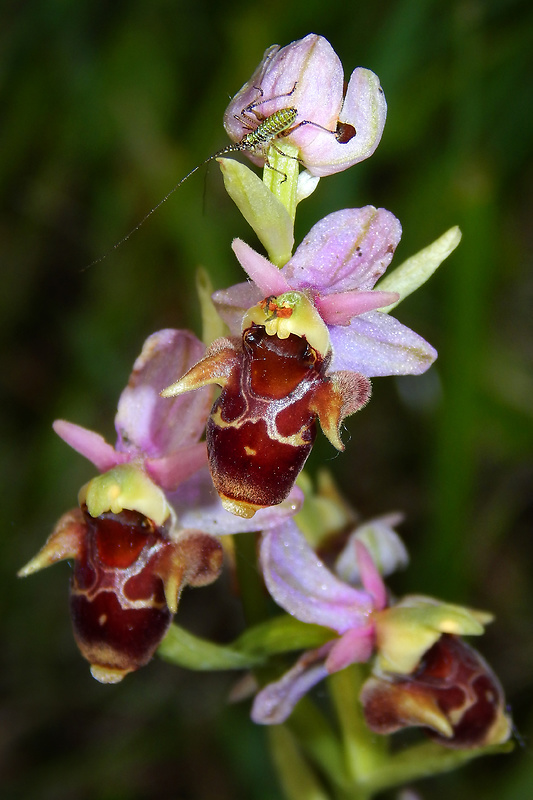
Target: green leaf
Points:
x,y
186,650
281,634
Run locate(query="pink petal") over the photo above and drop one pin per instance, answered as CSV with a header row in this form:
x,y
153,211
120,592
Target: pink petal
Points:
x,y
89,444
377,344
339,309
302,585
265,275
348,249
365,109
354,647
153,426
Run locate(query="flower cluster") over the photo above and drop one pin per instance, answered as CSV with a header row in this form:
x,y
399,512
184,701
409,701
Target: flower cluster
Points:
x,y
303,336
150,523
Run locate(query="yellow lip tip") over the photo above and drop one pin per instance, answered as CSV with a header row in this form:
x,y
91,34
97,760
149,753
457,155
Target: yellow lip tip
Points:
x,y
239,507
108,674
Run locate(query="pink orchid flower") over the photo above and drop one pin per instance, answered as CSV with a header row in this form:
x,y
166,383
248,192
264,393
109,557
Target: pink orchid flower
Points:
x,y
302,585
337,266
333,129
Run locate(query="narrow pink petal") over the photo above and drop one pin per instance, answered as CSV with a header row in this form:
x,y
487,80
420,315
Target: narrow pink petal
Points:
x,y
90,444
354,647
275,702
339,309
264,274
370,576
169,471
302,585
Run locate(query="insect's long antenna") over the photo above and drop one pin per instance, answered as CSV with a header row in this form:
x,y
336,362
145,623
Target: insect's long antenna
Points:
x,y
256,141
231,148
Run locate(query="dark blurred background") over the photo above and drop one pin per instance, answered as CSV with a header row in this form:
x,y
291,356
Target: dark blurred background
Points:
x,y
103,107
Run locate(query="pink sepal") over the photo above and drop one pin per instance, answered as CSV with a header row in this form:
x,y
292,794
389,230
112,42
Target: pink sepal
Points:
x,y
274,703
302,585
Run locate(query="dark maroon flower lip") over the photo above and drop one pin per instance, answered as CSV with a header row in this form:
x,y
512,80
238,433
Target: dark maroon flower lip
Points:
x,y
452,694
275,386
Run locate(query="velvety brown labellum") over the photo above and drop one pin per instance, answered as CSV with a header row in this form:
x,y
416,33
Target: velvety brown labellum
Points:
x,y
117,598
453,694
127,579
262,426
274,388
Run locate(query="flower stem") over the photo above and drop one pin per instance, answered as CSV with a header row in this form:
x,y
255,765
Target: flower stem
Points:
x,y
364,752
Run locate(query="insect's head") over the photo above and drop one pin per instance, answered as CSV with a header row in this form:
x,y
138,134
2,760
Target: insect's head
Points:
x,y
291,312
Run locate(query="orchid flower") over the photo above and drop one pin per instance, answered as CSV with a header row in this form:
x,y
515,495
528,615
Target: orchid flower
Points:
x,y
301,584
337,266
423,674
333,129
163,437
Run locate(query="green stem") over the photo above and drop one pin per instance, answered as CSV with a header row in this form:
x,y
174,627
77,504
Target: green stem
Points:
x,y
298,780
364,752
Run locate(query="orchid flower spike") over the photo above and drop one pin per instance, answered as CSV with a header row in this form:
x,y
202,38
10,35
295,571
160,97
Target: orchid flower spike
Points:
x,y
333,129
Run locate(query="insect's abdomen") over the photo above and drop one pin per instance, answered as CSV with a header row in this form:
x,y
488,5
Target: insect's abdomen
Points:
x,y
261,428
117,600
269,129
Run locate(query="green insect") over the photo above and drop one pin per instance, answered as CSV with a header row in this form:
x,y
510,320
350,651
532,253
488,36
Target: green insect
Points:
x,y
262,134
